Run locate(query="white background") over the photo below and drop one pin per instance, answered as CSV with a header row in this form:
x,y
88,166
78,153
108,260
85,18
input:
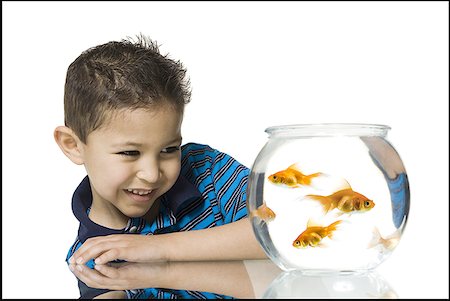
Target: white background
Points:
x,y
251,65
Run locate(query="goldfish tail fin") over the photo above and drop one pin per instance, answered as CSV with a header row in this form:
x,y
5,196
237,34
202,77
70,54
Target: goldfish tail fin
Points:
x,y
326,202
376,237
332,227
324,181
264,213
312,179
317,174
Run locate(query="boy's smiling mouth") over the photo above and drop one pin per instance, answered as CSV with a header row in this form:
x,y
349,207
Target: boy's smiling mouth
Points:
x,y
140,191
140,195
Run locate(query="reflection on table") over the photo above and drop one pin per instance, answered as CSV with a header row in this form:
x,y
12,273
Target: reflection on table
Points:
x,y
247,279
166,280
325,286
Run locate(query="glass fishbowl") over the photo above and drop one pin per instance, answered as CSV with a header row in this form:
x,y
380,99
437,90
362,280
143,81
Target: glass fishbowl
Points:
x,y
328,197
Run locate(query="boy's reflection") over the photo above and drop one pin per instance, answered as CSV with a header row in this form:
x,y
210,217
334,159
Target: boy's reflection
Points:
x,y
165,280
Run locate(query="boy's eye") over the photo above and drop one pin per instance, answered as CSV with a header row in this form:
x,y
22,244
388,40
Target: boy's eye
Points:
x,y
171,149
129,153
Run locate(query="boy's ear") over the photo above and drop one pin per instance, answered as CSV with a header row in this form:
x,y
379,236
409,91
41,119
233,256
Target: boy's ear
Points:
x,y
69,143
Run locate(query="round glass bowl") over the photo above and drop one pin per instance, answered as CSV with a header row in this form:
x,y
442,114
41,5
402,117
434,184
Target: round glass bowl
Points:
x,y
328,197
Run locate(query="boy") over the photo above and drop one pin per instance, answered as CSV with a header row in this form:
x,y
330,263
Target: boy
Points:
x,y
124,104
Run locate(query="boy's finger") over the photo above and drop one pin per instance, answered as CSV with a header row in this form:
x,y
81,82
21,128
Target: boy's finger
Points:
x,y
91,277
77,257
107,271
109,255
93,251
94,247
82,273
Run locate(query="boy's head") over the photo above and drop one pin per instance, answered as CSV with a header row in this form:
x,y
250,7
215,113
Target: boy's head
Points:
x,y
124,104
121,75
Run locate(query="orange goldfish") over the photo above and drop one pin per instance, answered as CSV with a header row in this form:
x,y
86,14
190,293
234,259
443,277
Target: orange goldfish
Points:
x,y
346,200
264,213
314,234
389,242
292,177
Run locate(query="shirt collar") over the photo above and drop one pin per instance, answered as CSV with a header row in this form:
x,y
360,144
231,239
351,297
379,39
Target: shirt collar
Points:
x,y
181,193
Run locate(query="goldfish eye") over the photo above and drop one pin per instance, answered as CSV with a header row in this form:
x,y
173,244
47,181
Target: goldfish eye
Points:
x,y
297,243
366,203
274,177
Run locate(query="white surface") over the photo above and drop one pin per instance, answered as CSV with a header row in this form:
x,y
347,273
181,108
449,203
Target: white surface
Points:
x,y
252,65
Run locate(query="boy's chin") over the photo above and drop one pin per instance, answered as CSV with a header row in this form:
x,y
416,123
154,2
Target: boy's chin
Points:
x,y
136,213
148,213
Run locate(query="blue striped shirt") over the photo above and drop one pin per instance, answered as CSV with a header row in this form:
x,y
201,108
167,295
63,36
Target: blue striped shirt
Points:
x,y
210,191
154,293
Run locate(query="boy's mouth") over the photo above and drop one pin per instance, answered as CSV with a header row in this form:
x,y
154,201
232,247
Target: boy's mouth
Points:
x,y
141,195
139,191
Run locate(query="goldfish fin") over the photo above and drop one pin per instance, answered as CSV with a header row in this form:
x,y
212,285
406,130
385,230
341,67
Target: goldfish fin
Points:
x,y
330,183
376,238
326,202
312,223
322,245
342,184
306,178
312,179
340,213
264,213
295,166
253,214
332,227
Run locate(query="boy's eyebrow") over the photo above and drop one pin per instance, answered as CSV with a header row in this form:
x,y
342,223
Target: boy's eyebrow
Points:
x,y
178,139
127,143
135,144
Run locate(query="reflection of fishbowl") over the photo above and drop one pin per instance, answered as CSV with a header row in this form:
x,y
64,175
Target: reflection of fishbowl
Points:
x,y
328,197
294,284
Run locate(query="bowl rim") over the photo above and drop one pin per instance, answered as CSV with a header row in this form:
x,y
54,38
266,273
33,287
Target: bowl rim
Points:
x,y
328,129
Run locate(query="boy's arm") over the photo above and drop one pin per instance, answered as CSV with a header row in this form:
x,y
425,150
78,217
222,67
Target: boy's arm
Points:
x,y
233,241
220,277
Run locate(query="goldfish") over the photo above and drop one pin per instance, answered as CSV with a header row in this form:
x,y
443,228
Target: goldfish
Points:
x,y
314,234
389,242
346,200
292,177
264,213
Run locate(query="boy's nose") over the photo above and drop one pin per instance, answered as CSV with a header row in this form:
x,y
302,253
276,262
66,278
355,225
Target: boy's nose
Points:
x,y
149,173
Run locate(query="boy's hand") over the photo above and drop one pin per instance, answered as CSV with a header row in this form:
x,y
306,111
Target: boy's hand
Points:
x,y
195,245
120,276
133,248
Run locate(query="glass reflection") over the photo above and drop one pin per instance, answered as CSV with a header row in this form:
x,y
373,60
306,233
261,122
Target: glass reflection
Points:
x,y
165,280
295,284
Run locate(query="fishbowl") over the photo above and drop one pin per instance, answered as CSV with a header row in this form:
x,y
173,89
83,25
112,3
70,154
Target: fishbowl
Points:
x,y
330,197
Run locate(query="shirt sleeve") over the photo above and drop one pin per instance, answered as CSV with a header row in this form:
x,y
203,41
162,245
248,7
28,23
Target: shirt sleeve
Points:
x,y
230,183
399,190
220,179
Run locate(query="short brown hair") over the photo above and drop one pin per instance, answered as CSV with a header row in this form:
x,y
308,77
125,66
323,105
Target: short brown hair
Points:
x,y
121,75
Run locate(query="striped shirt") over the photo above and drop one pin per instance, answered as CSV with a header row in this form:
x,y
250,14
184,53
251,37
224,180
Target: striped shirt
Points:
x,y
210,191
153,293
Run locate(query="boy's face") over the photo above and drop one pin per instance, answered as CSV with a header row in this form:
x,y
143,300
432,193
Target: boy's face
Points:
x,y
131,161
